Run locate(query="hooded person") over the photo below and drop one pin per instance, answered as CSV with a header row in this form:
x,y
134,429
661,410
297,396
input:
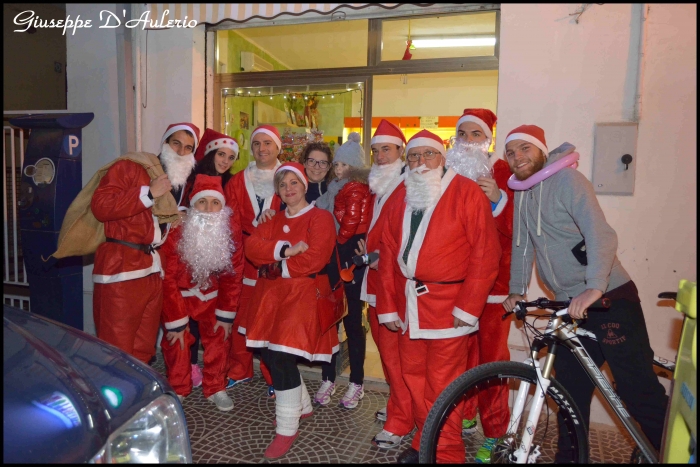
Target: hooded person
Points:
x,y
348,199
284,317
474,133
127,298
252,191
203,262
558,220
439,260
386,182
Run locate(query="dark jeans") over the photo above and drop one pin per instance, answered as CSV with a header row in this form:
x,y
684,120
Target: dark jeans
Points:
x,y
624,343
283,369
194,349
356,345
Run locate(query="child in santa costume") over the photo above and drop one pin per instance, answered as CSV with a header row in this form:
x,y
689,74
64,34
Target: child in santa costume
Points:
x,y
439,260
252,192
291,251
203,262
128,298
348,199
490,342
215,156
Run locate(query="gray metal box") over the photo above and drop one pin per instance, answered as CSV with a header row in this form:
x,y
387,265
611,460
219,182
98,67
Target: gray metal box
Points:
x,y
611,142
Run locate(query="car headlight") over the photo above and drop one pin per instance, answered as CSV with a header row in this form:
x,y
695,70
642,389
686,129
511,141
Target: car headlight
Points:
x,y
156,434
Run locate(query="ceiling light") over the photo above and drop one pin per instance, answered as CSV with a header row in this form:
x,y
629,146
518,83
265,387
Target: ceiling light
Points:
x,y
454,42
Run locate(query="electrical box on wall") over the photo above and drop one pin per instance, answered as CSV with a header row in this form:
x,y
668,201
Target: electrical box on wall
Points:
x,y
614,158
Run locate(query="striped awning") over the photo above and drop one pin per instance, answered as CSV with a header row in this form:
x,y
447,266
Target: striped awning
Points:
x,y
214,13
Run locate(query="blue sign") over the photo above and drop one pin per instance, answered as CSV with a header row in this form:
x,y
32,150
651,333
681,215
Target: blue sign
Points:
x,y
71,145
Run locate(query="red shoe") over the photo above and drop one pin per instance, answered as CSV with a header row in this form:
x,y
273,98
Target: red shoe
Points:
x,y
280,445
303,416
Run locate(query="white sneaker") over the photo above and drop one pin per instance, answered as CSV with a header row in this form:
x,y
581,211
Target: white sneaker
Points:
x,y
380,415
353,396
386,440
324,393
222,400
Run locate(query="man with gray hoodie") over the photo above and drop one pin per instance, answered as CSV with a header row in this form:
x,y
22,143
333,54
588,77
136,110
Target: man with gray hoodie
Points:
x,y
560,220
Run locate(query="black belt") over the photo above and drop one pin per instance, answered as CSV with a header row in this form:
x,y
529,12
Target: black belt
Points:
x,y
422,289
322,272
148,249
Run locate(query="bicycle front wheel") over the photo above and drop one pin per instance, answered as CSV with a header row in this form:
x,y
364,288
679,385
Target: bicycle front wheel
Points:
x,y
505,378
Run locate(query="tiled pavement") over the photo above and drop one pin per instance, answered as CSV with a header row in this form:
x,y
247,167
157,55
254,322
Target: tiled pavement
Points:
x,y
333,435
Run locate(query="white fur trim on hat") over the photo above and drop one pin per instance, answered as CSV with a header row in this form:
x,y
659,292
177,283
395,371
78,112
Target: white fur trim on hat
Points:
x,y
529,139
201,194
386,139
478,121
177,128
274,137
425,142
296,171
222,143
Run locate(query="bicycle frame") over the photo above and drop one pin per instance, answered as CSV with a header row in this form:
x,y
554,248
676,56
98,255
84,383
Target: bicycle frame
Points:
x,y
558,333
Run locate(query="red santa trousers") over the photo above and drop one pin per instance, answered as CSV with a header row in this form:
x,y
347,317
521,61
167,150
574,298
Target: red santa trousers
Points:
x,y
490,344
240,359
429,366
177,360
399,408
127,314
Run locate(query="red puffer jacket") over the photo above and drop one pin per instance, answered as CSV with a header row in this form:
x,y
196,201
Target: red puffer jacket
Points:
x,y
352,206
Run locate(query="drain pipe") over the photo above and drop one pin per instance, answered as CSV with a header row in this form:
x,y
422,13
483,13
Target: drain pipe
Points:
x,y
136,62
643,14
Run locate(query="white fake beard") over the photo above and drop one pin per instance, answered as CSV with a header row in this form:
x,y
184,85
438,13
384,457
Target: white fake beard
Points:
x,y
177,167
470,160
423,188
206,245
262,181
381,177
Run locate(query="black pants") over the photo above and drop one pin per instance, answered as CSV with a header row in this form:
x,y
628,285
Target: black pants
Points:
x,y
624,343
283,369
356,345
194,348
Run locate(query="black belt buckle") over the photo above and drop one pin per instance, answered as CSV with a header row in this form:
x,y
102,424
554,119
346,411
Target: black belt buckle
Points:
x,y
421,288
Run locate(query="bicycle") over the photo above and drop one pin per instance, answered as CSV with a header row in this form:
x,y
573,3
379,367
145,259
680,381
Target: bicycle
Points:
x,y
537,394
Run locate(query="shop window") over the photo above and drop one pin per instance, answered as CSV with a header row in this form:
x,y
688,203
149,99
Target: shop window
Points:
x,y
463,35
334,44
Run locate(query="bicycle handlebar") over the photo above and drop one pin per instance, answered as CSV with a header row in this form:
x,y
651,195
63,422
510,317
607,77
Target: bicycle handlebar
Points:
x,y
521,307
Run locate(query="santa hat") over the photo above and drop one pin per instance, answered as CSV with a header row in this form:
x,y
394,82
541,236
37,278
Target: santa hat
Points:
x,y
426,138
387,132
214,140
182,126
482,117
207,185
297,168
530,133
270,131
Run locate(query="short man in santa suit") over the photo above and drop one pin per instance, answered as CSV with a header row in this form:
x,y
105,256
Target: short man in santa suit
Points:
x,y
251,191
440,255
203,262
127,298
386,182
490,342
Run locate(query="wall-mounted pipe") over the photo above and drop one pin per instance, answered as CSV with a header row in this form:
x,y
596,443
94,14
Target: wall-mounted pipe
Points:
x,y
136,61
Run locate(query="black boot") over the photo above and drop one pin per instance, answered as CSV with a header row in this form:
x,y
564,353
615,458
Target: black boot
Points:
x,y
409,456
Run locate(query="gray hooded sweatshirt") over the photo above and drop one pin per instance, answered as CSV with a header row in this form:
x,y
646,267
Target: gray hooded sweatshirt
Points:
x,y
552,218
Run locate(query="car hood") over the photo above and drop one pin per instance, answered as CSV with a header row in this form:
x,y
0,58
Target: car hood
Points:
x,y
65,391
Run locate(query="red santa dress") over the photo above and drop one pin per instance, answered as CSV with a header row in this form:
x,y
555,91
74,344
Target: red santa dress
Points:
x,y
182,300
490,343
451,267
283,312
399,408
240,195
127,299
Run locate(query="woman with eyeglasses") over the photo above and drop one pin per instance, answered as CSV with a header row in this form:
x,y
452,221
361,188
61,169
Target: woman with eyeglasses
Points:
x,y
317,159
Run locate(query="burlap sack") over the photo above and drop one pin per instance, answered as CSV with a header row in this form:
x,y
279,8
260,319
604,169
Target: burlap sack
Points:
x,y
81,233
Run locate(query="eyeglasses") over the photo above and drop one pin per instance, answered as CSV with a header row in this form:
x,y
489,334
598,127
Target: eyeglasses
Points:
x,y
415,156
311,163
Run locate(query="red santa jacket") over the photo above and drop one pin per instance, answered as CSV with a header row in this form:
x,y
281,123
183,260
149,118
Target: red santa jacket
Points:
x,y
370,282
455,255
503,215
121,202
352,210
240,196
178,282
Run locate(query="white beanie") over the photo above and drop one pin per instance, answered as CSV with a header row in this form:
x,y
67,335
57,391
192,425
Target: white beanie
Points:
x,y
350,152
